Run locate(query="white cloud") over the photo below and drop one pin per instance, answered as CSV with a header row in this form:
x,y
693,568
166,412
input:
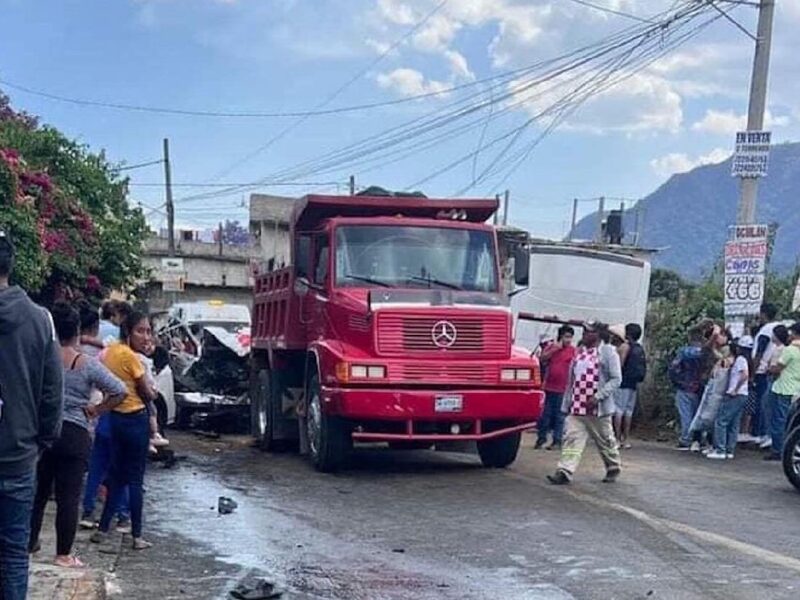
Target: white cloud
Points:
x,y
727,122
409,82
642,103
679,162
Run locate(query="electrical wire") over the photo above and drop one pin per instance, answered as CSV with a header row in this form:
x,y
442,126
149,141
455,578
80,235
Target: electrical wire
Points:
x,y
612,11
140,165
338,91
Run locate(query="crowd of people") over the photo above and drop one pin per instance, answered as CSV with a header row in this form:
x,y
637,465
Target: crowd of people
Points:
x,y
728,391
83,393
737,391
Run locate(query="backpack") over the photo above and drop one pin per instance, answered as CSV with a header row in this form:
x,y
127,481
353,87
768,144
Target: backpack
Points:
x,y
636,364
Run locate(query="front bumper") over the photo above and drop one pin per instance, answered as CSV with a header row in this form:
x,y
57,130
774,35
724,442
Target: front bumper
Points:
x,y
410,414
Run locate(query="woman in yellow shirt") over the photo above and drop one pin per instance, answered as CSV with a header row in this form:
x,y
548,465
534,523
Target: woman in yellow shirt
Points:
x,y
130,426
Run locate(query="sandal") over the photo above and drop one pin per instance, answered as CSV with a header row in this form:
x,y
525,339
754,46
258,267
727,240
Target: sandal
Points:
x,y
69,562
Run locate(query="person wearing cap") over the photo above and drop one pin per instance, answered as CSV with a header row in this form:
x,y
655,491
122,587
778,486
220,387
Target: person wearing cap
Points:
x,y
634,369
785,389
588,401
729,417
31,405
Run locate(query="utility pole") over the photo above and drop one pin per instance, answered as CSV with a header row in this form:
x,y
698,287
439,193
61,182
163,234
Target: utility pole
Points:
x,y
170,205
497,212
600,215
506,194
746,213
574,218
352,185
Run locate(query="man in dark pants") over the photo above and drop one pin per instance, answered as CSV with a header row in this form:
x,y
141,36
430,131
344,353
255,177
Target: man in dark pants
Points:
x,y
557,358
31,392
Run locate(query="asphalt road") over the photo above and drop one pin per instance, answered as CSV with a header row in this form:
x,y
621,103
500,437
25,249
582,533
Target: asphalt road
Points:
x,y
418,525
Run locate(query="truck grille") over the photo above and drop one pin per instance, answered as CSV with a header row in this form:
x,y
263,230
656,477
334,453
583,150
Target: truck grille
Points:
x,y
404,334
439,373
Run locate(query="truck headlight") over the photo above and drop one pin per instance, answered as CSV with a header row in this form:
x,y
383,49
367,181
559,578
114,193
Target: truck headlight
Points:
x,y
368,372
509,375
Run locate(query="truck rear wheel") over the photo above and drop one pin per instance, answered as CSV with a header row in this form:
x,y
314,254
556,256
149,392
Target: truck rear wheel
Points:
x,y
791,457
263,410
498,453
328,436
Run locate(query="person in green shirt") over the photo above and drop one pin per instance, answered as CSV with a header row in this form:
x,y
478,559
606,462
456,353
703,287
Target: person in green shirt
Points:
x,y
785,389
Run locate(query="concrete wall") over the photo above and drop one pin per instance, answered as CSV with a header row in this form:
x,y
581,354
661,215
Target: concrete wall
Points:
x,y
209,275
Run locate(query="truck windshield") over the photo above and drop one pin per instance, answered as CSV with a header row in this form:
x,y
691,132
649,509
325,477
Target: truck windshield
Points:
x,y
437,257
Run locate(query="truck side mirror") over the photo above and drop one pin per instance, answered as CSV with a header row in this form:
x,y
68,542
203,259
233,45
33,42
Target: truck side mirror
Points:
x,y
522,262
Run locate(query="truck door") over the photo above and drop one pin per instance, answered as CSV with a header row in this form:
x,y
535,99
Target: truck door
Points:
x,y
315,303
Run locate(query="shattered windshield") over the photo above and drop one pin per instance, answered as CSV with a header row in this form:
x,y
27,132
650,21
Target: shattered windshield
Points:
x,y
435,257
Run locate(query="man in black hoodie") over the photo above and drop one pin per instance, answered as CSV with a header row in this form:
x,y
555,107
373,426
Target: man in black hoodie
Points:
x,y
32,395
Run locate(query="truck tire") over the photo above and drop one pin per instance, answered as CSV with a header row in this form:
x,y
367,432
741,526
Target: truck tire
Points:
x,y
264,410
498,453
791,457
328,436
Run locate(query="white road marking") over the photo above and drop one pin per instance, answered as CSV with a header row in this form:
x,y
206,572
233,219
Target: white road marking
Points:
x,y
665,525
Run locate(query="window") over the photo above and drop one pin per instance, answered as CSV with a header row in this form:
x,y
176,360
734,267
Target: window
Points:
x,y
413,257
321,258
302,256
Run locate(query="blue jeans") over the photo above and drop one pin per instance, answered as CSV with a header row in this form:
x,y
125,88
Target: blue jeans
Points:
x,y
16,506
130,439
552,419
99,465
729,419
779,412
761,418
686,403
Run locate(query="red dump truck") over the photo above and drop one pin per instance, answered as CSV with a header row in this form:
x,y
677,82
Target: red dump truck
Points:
x,y
390,325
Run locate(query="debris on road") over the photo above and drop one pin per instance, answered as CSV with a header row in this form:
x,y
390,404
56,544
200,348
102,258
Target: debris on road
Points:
x,y
260,589
226,505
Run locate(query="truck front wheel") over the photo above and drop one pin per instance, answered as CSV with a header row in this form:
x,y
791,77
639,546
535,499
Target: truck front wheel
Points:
x,y
498,453
791,457
328,436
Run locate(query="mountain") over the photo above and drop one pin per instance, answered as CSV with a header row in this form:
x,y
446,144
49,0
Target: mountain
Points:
x,y
688,216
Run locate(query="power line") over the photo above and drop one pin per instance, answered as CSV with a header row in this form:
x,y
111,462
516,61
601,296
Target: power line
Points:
x,y
222,185
288,129
612,11
140,165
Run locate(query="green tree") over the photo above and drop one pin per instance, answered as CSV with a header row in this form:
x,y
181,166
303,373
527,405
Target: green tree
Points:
x,y
66,209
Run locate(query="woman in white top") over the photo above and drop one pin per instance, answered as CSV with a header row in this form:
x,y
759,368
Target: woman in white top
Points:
x,y
729,417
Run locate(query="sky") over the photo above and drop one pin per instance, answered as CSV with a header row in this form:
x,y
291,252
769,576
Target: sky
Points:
x,y
647,122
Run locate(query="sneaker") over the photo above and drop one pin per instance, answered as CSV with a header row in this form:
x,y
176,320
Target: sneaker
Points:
x,y
123,526
695,447
558,478
744,438
99,537
554,446
159,441
141,544
611,476
766,444
729,455
715,455
706,450
538,444
87,522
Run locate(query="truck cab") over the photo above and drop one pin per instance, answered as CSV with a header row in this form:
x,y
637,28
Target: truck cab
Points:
x,y
390,325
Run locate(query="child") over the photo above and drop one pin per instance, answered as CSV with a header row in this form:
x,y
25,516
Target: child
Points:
x,y
156,439
729,417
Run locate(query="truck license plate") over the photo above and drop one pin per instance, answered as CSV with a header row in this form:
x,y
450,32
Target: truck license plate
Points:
x,y
449,403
